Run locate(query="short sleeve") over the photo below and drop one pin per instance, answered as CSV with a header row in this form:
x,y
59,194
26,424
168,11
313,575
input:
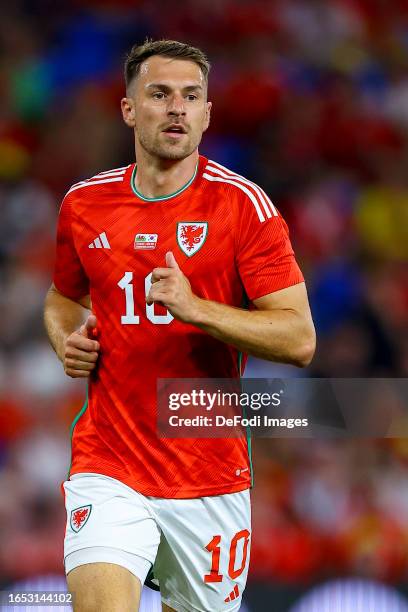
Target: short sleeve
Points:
x,y
69,276
265,258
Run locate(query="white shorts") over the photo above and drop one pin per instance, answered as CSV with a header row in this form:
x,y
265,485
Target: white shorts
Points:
x,y
199,548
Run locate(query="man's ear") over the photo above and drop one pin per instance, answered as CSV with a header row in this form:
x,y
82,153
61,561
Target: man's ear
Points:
x,y
207,115
128,111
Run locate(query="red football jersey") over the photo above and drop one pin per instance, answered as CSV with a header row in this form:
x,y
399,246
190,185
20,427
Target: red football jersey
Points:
x,y
230,242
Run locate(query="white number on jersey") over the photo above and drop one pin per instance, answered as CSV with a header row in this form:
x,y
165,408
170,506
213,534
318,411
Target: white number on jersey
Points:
x,y
130,318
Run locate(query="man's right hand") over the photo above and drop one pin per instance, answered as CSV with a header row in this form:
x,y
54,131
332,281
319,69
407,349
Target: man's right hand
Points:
x,y
81,350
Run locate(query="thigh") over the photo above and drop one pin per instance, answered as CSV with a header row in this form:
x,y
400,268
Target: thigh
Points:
x,y
107,522
104,587
202,561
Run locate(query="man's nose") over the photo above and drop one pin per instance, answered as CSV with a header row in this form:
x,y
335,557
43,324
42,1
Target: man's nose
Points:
x,y
176,106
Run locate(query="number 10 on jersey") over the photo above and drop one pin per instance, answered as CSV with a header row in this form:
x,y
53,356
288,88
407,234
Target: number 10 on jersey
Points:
x,y
130,318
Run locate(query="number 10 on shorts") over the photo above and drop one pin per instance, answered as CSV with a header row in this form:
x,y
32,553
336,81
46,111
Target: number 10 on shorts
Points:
x,y
214,547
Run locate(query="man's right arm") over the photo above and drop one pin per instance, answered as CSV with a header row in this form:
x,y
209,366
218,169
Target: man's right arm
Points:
x,y
71,337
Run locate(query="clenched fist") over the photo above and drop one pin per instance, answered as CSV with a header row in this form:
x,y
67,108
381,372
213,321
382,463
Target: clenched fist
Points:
x,y
81,350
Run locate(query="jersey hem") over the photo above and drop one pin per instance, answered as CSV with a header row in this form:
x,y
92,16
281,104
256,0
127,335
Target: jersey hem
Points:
x,y
155,492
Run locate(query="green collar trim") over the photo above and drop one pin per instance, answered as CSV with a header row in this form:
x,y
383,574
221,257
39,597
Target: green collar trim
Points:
x,y
160,198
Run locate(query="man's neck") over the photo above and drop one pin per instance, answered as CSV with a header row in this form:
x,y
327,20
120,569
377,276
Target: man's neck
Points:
x,y
155,178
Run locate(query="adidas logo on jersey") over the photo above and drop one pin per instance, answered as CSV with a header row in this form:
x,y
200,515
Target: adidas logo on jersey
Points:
x,y
100,242
233,595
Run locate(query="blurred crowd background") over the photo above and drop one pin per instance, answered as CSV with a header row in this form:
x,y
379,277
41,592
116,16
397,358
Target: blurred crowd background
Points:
x,y
311,102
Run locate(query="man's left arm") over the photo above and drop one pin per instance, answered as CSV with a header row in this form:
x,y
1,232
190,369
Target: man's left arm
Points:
x,y
280,329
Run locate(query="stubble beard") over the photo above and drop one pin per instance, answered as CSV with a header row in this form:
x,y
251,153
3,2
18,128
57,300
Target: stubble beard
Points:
x,y
167,151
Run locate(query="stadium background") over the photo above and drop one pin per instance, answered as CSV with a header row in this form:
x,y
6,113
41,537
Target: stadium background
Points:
x,y
311,102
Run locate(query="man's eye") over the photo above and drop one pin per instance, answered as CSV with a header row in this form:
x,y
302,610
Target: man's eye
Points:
x,y
192,97
158,95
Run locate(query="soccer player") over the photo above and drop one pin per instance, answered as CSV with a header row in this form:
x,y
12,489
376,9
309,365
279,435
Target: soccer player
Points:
x,y
163,253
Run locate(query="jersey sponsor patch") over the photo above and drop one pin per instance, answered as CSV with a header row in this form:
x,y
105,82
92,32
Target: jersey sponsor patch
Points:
x,y
80,516
191,236
145,241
